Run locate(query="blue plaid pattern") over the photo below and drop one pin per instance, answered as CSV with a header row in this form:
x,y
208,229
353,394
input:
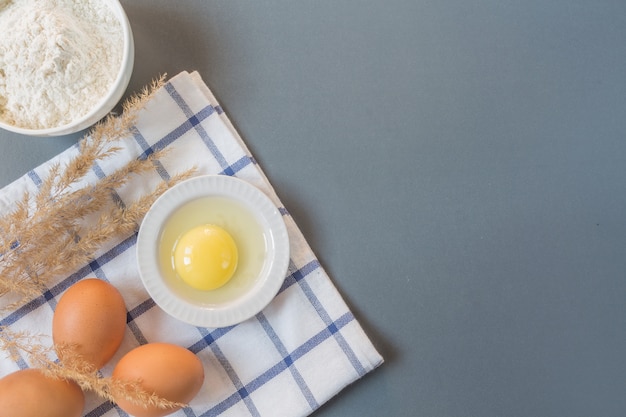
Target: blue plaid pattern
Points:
x,y
289,359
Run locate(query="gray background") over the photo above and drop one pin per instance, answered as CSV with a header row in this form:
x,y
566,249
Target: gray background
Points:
x,y
458,167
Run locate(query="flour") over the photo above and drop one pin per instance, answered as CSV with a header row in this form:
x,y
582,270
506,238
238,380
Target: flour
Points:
x,y
58,58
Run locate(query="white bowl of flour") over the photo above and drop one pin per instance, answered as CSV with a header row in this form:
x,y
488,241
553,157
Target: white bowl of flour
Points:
x,y
64,64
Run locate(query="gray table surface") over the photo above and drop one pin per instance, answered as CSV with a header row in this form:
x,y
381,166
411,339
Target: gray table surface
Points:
x,y
457,166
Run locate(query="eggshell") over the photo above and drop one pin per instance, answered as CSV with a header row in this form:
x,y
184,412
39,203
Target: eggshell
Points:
x,y
170,371
29,393
90,315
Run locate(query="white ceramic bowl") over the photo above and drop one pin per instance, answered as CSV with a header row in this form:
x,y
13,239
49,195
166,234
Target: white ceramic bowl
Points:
x,y
220,307
106,103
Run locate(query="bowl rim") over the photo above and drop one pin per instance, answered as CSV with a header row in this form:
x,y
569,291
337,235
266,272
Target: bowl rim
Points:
x,y
247,304
113,95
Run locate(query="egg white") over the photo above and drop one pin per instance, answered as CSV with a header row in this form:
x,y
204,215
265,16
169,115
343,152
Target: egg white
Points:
x,y
239,222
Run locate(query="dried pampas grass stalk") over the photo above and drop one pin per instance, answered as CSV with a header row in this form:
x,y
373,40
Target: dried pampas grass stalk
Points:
x,y
61,227
74,368
46,235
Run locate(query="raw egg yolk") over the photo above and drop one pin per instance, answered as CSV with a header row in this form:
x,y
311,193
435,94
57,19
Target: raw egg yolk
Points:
x,y
205,257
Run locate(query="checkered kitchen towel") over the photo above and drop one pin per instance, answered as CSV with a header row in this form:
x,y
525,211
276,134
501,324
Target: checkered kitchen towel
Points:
x,y
289,359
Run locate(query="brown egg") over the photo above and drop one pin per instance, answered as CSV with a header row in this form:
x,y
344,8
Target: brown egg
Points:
x,y
29,393
171,372
91,316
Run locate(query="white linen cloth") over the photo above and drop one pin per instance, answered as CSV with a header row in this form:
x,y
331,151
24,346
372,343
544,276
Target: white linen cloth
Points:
x,y
289,359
